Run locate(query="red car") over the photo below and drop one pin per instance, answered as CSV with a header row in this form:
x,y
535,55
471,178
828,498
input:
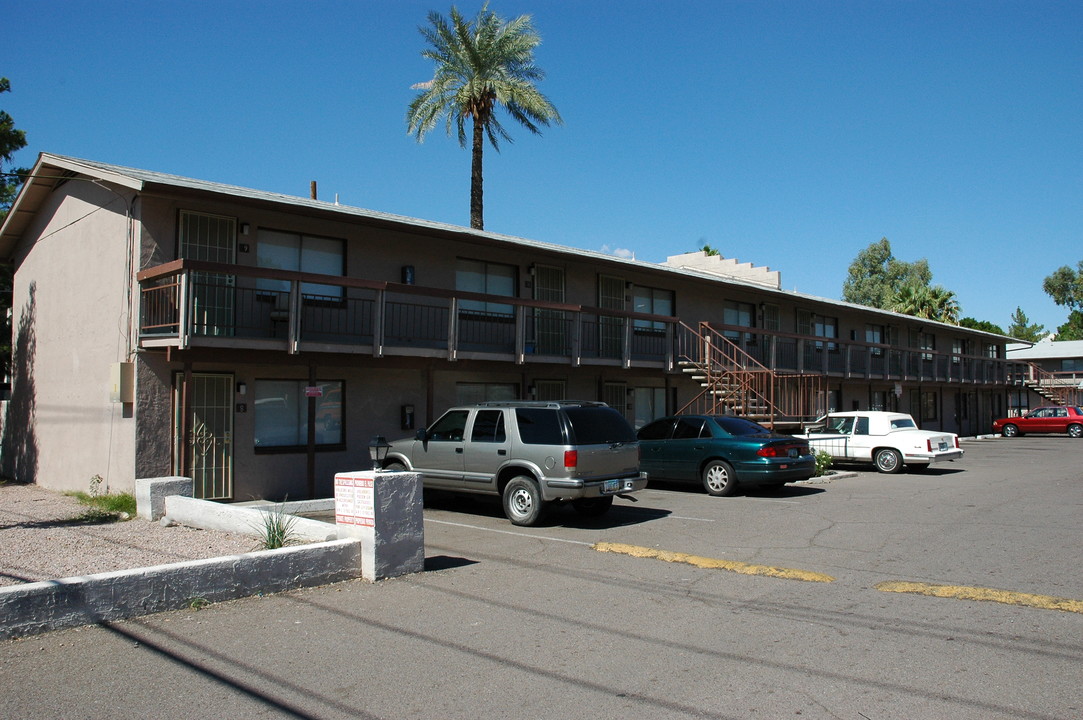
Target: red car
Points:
x,y
1051,419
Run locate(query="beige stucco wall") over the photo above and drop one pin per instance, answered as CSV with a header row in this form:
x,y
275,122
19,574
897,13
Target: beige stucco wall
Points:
x,y
70,309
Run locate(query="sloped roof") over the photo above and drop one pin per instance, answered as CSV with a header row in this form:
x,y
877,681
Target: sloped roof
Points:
x,y
52,170
1046,350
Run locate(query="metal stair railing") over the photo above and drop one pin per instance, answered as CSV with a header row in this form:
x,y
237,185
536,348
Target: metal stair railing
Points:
x,y
1059,388
734,382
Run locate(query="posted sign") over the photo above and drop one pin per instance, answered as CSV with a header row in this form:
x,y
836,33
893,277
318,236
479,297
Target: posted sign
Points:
x,y
354,501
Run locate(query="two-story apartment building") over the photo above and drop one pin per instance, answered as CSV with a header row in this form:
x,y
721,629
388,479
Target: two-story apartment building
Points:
x,y
1051,374
257,342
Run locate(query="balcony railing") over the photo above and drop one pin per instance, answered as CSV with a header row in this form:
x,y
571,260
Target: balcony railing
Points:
x,y
188,303
832,357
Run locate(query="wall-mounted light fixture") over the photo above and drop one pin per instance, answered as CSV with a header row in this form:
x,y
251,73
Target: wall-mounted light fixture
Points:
x,y
242,388
244,228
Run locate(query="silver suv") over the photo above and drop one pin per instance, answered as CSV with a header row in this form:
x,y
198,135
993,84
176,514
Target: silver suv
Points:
x,y
528,453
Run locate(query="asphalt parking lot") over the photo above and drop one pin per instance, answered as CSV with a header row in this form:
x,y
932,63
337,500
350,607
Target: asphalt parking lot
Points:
x,y
675,619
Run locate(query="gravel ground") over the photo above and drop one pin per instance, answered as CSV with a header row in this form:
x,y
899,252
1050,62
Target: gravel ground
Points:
x,y
37,541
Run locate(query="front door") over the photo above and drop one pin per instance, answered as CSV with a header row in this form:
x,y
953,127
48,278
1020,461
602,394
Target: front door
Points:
x,y
550,326
204,439
212,238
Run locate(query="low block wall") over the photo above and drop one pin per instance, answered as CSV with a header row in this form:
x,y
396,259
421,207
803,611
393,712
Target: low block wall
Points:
x,y
72,602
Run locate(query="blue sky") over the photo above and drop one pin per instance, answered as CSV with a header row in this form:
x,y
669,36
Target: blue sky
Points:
x,y
790,134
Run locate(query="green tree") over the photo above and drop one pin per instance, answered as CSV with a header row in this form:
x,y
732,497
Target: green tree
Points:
x,y
708,250
1065,286
876,277
11,140
481,65
1073,329
984,325
930,302
1022,329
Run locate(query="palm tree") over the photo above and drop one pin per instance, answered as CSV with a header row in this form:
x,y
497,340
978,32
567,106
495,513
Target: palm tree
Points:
x,y
932,303
480,64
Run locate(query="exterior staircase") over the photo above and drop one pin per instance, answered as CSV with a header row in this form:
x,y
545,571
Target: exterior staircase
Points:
x,y
735,383
1054,388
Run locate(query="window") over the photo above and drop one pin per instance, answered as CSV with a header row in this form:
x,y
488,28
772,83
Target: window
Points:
x,y
489,427
653,302
875,335
809,323
959,346
478,276
471,393
861,427
281,413
615,395
650,404
449,428
549,390
689,429
539,426
740,314
1071,365
923,341
300,253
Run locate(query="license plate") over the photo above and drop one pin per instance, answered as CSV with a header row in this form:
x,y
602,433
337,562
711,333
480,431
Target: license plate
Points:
x,y
610,487
943,446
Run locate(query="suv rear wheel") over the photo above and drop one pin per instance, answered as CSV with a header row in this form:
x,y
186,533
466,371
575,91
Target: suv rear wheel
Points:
x,y
523,502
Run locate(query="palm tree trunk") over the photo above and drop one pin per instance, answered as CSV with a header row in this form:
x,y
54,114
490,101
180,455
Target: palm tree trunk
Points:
x,y
476,205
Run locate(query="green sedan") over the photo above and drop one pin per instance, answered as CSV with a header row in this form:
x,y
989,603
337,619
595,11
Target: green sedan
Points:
x,y
722,452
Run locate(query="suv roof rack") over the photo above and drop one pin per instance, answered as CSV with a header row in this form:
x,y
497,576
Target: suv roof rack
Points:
x,y
542,403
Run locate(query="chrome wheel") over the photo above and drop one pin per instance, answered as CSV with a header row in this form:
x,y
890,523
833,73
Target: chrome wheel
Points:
x,y
1075,431
888,460
1009,431
718,479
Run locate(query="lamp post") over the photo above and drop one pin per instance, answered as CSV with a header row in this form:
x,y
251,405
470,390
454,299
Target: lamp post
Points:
x,y
378,448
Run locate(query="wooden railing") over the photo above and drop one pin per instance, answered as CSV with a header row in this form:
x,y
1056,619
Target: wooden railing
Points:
x,y
186,303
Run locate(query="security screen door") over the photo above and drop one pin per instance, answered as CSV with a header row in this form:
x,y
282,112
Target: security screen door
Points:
x,y
212,238
208,446
550,330
610,329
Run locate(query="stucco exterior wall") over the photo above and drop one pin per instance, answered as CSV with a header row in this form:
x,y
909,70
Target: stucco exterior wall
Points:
x,y
70,308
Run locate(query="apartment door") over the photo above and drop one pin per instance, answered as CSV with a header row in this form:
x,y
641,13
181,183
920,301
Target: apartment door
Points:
x,y
550,326
203,436
212,238
610,329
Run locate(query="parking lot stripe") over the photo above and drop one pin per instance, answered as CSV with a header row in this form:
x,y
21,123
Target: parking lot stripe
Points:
x,y
508,532
962,592
713,563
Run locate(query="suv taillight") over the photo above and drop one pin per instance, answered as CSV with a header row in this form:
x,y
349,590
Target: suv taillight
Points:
x,y
571,459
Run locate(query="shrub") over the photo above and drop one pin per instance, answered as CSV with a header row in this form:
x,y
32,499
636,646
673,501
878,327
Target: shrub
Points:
x,y
823,462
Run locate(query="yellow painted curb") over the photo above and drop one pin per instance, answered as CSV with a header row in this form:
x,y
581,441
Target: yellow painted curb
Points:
x,y
961,592
712,563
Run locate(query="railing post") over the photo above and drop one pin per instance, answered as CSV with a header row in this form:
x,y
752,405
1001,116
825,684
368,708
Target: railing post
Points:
x,y
577,339
626,348
379,307
520,334
294,325
670,337
183,308
453,329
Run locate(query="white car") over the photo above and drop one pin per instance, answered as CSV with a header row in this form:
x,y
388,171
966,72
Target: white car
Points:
x,y
890,440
